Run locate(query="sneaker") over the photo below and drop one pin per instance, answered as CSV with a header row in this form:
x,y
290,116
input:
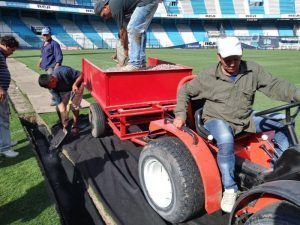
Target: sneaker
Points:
x,y
129,67
13,143
10,153
228,200
53,103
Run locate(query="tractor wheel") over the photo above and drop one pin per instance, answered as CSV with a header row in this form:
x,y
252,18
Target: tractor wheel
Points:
x,y
97,120
275,214
170,179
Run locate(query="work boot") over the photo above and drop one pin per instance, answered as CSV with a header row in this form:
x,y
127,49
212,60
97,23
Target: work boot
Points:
x,y
228,200
129,67
10,153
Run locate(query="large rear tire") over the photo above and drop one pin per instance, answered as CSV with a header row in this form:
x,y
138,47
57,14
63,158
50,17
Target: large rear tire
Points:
x,y
170,179
97,120
282,213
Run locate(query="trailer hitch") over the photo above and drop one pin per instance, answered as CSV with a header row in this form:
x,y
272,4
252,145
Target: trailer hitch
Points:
x,y
185,129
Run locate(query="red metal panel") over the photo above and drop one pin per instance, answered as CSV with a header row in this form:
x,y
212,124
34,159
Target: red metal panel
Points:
x,y
96,82
144,86
204,160
122,88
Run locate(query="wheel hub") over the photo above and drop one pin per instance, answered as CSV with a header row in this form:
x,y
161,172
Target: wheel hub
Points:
x,y
158,183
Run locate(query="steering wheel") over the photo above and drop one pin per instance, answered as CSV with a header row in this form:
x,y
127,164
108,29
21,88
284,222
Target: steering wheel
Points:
x,y
289,118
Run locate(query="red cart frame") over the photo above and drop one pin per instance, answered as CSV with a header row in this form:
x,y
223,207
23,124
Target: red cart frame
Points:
x,y
135,97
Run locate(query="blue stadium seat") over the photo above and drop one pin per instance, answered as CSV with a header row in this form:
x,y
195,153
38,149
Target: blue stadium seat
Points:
x,y
285,28
17,26
171,6
287,6
227,6
198,31
173,34
90,32
152,41
198,6
228,29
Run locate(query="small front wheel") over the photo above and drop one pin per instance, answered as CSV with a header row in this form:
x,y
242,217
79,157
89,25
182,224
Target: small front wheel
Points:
x,y
171,180
97,120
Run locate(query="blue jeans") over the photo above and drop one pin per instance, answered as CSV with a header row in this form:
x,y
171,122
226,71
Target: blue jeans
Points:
x,y
137,30
5,141
224,136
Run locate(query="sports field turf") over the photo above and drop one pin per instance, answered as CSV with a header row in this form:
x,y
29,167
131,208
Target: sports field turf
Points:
x,y
23,197
284,63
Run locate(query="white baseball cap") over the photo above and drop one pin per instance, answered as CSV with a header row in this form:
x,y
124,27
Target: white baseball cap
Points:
x,y
46,30
228,46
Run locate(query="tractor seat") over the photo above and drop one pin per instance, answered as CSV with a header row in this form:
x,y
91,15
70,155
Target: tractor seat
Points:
x,y
199,125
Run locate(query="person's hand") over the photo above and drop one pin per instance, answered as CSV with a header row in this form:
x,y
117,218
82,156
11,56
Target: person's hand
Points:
x,y
178,122
74,88
2,94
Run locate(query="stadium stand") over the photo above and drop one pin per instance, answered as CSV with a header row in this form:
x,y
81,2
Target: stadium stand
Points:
x,y
270,29
187,7
5,30
176,22
25,33
186,33
287,6
59,32
198,7
227,28
90,32
297,6
160,35
33,22
241,7
227,6
173,34
171,7
212,7
73,30
107,36
198,31
152,41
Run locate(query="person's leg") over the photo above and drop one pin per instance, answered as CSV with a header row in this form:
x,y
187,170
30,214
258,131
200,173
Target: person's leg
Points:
x,y
53,102
5,138
75,108
280,137
136,28
143,52
4,126
223,134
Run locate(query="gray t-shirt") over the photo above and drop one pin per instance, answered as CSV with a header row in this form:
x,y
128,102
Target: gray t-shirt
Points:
x,y
121,10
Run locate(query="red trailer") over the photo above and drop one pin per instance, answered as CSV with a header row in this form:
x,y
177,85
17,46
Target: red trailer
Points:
x,y
131,98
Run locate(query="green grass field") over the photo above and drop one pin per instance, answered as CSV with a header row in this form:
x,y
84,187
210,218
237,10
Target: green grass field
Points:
x,y
23,198
282,64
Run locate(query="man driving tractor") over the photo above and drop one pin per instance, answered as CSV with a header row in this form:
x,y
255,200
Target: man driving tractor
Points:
x,y
228,89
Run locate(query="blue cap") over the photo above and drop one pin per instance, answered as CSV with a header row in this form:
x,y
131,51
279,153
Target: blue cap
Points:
x,y
46,30
99,6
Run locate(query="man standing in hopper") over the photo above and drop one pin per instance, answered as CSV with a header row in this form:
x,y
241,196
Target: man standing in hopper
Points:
x,y
140,14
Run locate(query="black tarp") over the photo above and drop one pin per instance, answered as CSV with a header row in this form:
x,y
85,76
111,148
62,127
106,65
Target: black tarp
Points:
x,y
110,167
72,201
